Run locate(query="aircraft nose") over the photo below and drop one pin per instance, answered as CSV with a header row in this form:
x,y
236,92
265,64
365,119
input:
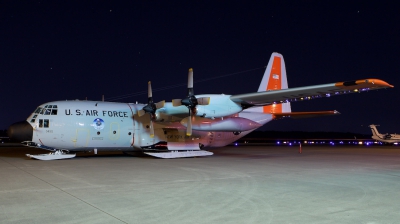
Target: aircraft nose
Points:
x,y
20,131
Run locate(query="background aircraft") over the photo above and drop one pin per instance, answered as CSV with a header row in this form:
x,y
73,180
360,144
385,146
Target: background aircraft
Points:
x,y
387,138
180,128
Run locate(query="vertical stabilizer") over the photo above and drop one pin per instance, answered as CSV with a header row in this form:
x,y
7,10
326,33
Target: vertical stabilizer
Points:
x,y
375,131
274,79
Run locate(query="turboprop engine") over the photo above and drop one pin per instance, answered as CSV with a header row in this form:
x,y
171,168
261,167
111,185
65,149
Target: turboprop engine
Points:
x,y
234,124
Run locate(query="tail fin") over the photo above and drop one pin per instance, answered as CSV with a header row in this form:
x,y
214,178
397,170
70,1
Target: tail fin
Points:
x,y
374,130
274,78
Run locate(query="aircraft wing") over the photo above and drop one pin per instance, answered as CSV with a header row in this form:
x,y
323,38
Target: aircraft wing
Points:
x,y
308,92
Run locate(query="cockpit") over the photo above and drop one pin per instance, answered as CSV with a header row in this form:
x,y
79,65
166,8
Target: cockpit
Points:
x,y
46,110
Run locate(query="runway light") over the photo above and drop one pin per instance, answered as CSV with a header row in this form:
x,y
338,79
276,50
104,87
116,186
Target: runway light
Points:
x,y
395,143
360,142
278,142
236,144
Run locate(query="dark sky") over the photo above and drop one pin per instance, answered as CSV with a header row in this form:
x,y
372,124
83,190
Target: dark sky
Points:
x,y
72,50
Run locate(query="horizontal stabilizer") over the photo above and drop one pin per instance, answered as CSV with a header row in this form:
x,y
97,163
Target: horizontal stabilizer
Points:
x,y
296,115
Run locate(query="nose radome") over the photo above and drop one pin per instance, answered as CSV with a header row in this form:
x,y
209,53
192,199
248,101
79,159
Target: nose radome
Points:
x,y
20,131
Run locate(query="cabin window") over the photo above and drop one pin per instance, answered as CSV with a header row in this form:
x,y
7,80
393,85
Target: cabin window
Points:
x,y
40,123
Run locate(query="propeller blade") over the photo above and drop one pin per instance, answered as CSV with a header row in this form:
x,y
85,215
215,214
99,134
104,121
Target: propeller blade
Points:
x,y
160,104
190,78
141,113
151,128
149,92
176,102
203,100
190,82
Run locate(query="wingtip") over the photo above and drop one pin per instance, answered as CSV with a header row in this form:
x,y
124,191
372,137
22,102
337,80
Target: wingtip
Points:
x,y
361,83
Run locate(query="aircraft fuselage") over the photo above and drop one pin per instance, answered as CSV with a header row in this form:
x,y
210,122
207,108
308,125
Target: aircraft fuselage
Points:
x,y
88,125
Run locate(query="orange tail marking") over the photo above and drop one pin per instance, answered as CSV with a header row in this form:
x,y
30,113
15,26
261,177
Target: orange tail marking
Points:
x,y
271,109
274,83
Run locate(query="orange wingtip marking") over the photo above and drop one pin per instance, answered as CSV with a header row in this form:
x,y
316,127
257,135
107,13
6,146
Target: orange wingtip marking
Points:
x,y
363,83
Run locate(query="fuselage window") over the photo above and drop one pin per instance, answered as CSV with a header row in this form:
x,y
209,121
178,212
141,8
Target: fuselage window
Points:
x,y
46,123
40,123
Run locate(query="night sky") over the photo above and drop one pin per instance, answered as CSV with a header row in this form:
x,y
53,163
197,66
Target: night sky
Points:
x,y
72,50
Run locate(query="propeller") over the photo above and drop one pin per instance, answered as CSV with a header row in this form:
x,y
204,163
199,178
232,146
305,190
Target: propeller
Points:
x,y
190,102
151,108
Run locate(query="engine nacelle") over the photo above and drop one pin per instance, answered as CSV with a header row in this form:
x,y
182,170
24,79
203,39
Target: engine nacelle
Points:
x,y
235,124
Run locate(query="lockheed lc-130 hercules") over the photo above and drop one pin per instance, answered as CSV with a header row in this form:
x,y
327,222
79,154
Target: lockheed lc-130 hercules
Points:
x,y
181,128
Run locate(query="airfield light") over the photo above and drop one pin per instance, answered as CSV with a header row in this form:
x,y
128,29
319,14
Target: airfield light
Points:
x,y
360,142
290,143
278,142
395,143
305,142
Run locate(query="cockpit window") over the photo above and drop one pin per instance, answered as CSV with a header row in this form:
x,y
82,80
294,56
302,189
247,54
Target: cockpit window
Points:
x,y
33,118
44,123
38,110
47,110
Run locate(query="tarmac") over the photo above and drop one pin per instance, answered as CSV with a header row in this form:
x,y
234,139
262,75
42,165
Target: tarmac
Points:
x,y
243,184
